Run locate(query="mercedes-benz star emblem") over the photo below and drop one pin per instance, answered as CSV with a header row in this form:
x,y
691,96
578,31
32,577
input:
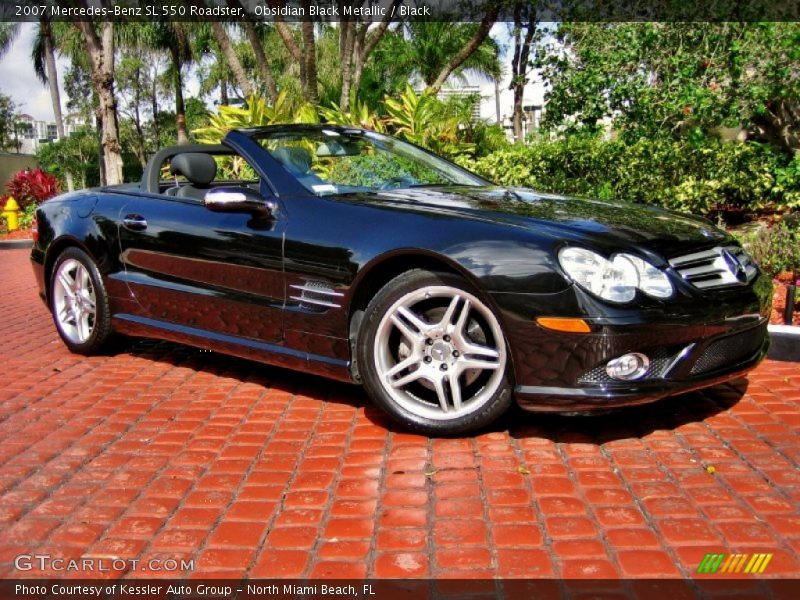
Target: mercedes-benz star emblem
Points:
x,y
735,266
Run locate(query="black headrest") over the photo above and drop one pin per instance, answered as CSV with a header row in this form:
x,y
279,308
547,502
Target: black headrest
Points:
x,y
198,168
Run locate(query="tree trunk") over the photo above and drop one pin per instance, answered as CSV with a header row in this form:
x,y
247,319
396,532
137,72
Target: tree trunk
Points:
x,y
516,118
101,53
346,45
262,63
291,45
310,58
55,94
360,54
470,47
101,155
224,41
261,60
498,117
365,42
781,125
519,66
17,143
180,108
156,128
137,120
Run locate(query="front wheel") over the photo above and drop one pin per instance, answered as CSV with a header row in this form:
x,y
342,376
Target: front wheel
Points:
x,y
79,303
433,355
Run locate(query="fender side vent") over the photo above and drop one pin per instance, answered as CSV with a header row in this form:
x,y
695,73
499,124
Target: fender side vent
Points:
x,y
316,295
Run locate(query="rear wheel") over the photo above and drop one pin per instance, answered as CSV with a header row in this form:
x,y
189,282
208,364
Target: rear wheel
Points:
x,y
433,355
79,303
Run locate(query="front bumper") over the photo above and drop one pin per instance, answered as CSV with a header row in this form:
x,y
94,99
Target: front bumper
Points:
x,y
696,343
675,370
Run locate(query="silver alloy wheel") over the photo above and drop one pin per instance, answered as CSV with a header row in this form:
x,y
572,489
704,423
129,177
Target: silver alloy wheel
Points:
x,y
74,301
439,357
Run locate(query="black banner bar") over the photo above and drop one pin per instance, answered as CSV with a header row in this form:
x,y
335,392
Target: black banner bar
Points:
x,y
396,10
395,589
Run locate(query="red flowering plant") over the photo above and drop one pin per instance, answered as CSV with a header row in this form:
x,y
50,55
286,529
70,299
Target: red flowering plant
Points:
x,y
32,187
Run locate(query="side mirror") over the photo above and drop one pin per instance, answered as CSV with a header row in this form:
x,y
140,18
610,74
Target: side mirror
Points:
x,y
239,199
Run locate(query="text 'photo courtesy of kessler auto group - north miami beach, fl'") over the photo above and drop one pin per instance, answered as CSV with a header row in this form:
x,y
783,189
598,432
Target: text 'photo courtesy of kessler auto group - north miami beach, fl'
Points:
x,y
412,299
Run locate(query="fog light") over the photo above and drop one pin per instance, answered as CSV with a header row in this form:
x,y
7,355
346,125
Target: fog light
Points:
x,y
628,366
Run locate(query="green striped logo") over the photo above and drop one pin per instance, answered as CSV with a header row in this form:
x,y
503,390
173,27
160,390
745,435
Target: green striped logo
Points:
x,y
710,563
734,563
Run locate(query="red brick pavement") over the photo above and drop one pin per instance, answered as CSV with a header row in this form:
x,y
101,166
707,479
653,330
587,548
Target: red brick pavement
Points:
x,y
163,451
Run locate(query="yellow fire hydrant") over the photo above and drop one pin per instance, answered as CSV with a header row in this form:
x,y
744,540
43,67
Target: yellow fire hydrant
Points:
x,y
11,214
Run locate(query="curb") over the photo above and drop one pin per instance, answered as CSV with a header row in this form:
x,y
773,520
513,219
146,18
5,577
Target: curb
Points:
x,y
784,342
15,244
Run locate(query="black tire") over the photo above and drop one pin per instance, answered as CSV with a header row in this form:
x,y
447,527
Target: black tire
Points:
x,y
96,325
423,405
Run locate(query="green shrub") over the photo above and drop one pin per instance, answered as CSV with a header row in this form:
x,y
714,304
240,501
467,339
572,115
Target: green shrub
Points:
x,y
775,248
26,216
706,178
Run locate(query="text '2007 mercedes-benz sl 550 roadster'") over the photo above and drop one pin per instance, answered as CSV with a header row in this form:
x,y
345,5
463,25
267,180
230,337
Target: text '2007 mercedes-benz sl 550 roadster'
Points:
x,y
359,257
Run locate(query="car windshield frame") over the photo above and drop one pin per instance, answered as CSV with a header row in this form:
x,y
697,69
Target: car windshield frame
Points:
x,y
340,161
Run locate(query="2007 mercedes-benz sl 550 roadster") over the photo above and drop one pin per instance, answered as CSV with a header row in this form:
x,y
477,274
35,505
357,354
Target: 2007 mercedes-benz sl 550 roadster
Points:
x,y
359,257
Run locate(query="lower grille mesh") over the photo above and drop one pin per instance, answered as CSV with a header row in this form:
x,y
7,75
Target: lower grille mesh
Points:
x,y
729,350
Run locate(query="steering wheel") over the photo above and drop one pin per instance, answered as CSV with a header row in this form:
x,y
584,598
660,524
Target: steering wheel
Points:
x,y
397,182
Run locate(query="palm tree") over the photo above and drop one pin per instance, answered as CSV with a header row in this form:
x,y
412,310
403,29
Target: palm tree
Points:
x,y
174,39
225,68
43,56
438,49
100,41
8,31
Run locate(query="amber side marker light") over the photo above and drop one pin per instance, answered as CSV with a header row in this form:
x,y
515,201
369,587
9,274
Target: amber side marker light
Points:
x,y
564,324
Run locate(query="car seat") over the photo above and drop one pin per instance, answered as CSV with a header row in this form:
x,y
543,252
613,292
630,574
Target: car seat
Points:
x,y
199,169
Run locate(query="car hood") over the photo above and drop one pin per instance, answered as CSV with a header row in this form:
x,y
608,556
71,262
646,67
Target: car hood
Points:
x,y
609,223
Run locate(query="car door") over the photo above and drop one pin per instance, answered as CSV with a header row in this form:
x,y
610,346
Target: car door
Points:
x,y
202,273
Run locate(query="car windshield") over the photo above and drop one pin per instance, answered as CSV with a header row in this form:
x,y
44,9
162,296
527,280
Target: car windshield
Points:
x,y
335,161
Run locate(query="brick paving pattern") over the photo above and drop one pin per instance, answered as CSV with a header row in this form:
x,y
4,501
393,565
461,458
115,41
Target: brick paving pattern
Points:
x,y
164,451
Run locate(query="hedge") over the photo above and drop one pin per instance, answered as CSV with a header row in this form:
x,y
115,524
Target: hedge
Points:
x,y
711,177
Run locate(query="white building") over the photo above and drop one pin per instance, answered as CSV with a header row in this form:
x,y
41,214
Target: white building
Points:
x,y
35,132
497,105
497,102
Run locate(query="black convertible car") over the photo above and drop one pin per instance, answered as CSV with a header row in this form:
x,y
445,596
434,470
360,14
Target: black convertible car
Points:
x,y
359,257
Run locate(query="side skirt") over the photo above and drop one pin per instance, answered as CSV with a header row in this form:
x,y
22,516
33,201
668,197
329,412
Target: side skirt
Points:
x,y
272,354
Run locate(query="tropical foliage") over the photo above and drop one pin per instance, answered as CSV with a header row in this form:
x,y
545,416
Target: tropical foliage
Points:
x,y
256,112
32,187
358,114
426,121
421,119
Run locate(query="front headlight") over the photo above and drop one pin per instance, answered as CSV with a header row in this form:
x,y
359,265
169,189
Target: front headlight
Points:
x,y
615,280
652,281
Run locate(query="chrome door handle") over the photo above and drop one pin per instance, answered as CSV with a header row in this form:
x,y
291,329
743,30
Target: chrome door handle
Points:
x,y
134,222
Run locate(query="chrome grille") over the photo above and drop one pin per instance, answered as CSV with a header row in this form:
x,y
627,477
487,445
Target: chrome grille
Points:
x,y
717,267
